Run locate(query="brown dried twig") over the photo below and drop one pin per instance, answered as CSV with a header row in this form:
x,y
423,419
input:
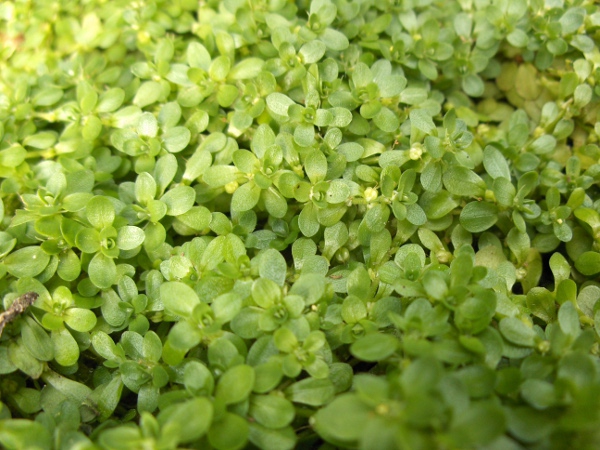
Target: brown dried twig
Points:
x,y
17,308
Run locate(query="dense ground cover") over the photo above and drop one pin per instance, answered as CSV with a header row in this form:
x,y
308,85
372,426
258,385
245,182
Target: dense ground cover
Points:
x,y
361,224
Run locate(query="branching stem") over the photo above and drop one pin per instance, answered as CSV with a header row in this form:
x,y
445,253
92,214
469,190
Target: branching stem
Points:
x,y
17,308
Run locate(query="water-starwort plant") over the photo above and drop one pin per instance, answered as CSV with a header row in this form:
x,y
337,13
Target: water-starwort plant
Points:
x,y
282,224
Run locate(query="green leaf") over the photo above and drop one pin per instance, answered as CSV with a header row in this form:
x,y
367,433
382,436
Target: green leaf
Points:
x,y
462,181
198,56
47,96
129,237
26,262
66,350
271,411
36,340
79,319
147,125
374,347
230,432
588,263
473,85
495,164
517,332
110,100
285,340
246,69
13,156
100,212
279,103
386,120
245,197
178,298
272,266
421,120
478,216
219,68
311,391
179,200
197,378
236,384
102,271
24,434
148,93
312,52
478,425
542,304
304,135
568,320
176,139
334,40
227,306
538,393
269,439
342,420
191,419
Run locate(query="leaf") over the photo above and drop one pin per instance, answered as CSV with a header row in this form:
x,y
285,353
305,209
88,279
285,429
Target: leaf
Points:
x,y
478,216
421,120
23,433
66,350
102,271
343,419
334,40
462,181
47,96
246,69
110,100
473,85
245,197
230,432
478,425
568,320
312,51
495,164
100,212
165,170
236,384
272,266
178,298
198,56
179,200
588,263
374,347
80,319
149,92
226,307
311,391
191,418
147,125
386,120
542,304
36,340
26,262
517,332
271,411
279,103
129,237
176,139
269,439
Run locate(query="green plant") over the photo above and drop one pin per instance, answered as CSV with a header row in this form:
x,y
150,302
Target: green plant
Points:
x,y
313,224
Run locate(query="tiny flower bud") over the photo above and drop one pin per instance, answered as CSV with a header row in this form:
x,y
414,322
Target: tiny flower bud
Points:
x,y
415,152
370,194
231,187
